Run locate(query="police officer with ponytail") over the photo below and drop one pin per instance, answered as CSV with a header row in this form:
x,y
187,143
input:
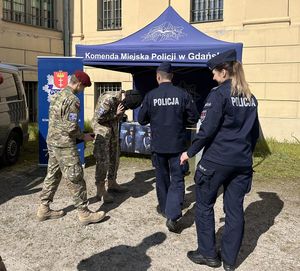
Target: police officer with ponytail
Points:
x,y
228,134
168,109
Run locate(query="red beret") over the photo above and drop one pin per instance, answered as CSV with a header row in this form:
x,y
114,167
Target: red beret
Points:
x,y
83,78
1,78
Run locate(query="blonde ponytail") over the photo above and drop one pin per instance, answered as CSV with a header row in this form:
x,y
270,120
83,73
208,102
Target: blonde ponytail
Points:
x,y
239,85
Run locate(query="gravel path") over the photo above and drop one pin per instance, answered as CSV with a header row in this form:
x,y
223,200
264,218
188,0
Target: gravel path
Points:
x,y
134,236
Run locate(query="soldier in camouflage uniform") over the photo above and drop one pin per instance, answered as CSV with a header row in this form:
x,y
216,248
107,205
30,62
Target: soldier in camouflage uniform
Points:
x,y
108,112
63,155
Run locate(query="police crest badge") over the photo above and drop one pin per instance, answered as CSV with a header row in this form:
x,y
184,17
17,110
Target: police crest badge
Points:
x,y
60,79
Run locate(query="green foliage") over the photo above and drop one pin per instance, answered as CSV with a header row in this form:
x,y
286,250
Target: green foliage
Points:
x,y
88,126
33,131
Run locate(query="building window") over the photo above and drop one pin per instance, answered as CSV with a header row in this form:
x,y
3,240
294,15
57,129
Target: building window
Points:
x,y
206,10
34,12
100,88
8,89
109,14
31,89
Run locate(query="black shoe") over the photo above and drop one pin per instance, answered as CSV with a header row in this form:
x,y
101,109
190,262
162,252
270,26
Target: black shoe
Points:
x,y
228,267
158,210
197,258
171,225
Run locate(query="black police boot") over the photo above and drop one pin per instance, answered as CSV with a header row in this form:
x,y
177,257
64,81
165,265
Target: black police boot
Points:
x,y
197,258
159,211
228,267
171,225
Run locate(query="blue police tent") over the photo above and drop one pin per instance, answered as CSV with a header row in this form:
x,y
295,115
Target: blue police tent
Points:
x,y
168,38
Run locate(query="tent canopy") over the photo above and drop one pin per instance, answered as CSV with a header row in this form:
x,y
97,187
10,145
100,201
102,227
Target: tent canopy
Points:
x,y
168,38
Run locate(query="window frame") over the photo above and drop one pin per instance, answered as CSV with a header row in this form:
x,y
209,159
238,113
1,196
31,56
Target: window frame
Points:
x,y
208,10
29,17
114,16
14,85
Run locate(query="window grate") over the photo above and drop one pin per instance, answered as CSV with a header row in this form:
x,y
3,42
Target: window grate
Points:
x,y
102,87
109,14
206,10
34,12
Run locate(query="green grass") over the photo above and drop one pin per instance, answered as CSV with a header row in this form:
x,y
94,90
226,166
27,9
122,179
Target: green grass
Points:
x,y
33,131
272,160
280,160
88,126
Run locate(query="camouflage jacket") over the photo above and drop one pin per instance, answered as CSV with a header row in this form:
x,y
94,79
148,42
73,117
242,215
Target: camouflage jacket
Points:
x,y
105,121
63,119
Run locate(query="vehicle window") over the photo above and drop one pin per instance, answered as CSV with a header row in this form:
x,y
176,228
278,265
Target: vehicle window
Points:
x,y
8,89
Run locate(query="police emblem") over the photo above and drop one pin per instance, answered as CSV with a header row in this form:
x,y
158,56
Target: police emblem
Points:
x,y
60,79
50,88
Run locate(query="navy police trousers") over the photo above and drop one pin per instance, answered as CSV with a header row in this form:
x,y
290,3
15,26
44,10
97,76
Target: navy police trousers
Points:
x,y
169,183
236,182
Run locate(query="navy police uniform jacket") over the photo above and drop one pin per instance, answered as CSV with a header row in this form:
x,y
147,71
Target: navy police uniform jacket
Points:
x,y
229,128
168,109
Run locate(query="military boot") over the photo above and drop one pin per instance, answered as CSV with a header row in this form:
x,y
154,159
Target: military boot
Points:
x,y
2,266
101,192
113,186
88,217
44,212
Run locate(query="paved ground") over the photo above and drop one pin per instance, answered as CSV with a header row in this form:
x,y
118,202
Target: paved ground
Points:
x,y
134,236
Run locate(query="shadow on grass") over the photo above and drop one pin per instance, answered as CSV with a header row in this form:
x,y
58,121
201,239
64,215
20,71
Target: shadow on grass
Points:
x,y
91,161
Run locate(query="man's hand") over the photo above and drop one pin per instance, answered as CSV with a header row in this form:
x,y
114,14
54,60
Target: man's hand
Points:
x,y
88,137
120,109
183,158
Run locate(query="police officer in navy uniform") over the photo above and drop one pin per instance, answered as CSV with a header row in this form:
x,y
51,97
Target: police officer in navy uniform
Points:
x,y
228,132
168,109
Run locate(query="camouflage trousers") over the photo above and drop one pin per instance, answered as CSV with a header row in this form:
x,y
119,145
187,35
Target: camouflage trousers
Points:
x,y
64,162
107,155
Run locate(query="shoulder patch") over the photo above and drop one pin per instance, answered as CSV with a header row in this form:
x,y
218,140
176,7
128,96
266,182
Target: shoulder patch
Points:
x,y
101,111
73,117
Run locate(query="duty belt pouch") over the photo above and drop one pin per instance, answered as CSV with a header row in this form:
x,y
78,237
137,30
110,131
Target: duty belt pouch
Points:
x,y
203,176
